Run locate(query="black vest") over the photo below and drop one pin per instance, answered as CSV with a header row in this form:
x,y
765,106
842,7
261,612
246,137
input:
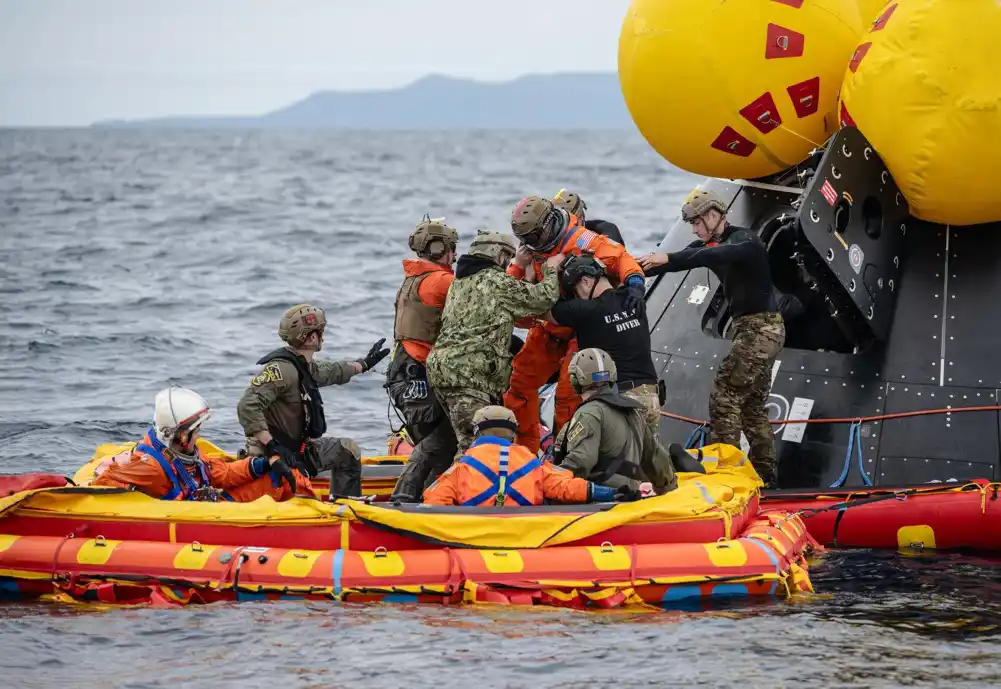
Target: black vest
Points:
x,y
312,402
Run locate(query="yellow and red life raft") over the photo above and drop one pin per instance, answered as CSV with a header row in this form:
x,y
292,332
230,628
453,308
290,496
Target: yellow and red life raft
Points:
x,y
706,539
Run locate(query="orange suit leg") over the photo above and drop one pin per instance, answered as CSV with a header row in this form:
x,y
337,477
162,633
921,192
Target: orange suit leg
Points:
x,y
532,366
567,400
265,485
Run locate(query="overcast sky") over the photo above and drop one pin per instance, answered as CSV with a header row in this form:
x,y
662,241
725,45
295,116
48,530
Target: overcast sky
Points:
x,y
70,62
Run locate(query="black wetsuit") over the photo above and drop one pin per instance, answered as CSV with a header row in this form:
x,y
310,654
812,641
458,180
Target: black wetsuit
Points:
x,y
740,261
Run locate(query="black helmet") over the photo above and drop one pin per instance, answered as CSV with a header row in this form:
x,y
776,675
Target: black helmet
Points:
x,y
574,268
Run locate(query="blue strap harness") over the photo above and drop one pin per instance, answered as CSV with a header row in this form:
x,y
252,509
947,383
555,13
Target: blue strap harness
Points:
x,y
501,482
175,471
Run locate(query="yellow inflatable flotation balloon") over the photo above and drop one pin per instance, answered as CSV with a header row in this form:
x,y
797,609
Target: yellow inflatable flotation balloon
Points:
x,y
924,87
736,89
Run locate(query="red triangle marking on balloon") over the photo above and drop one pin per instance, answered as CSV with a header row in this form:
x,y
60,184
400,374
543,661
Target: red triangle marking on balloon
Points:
x,y
846,119
762,113
859,54
792,3
783,42
730,141
805,96
883,18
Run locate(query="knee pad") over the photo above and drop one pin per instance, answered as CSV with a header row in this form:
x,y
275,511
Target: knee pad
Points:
x,y
352,447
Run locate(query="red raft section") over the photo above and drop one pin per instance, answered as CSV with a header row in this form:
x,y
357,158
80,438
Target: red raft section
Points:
x,y
929,516
703,540
768,559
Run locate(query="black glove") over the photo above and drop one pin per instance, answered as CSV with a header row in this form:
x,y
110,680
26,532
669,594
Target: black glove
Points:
x,y
274,448
374,356
627,494
280,470
635,297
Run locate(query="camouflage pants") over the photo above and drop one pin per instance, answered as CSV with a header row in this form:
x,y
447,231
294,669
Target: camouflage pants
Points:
x,y
648,397
740,391
460,404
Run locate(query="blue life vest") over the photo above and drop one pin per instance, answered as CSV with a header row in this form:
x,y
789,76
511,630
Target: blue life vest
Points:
x,y
183,484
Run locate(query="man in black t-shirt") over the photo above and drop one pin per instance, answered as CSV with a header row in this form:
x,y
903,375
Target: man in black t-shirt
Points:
x,y
600,318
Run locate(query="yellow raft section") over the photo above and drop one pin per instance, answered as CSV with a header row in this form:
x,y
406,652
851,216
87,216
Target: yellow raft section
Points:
x,y
724,491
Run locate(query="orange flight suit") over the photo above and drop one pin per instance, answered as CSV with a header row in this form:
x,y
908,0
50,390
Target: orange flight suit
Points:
x,y
546,346
159,477
476,479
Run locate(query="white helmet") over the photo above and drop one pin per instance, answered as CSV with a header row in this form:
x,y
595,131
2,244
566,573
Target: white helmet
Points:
x,y
177,413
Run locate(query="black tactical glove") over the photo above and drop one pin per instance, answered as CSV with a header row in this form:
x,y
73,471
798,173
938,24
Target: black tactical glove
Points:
x,y
635,296
374,356
627,494
274,448
281,471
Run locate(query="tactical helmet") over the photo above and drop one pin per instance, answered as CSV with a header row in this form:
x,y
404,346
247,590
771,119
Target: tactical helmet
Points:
x,y
571,203
537,223
298,322
576,267
494,418
497,246
433,238
700,201
178,413
591,368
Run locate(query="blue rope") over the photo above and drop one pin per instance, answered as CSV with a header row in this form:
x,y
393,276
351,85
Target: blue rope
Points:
x,y
854,443
699,432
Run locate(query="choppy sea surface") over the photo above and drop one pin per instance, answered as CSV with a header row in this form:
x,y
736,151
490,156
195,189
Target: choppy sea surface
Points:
x,y
131,260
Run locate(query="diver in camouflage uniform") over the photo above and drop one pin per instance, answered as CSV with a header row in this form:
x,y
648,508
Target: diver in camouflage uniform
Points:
x,y
470,364
743,382
282,411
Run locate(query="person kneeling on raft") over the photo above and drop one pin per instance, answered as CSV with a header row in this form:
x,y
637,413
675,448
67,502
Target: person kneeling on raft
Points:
x,y
608,440
496,472
167,464
281,410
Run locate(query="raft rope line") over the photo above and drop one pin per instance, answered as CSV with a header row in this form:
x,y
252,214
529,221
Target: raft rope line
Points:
x,y
700,433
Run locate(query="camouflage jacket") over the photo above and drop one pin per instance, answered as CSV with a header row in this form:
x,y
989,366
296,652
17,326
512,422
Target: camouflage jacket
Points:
x,y
273,398
473,347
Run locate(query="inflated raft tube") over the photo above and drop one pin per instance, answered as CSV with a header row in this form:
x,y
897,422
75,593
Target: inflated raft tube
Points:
x,y
704,507
944,516
767,559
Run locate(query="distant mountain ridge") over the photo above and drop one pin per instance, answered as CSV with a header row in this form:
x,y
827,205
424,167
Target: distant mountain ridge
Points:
x,y
537,101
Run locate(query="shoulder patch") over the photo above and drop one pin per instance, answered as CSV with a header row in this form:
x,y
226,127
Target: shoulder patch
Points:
x,y
271,373
575,430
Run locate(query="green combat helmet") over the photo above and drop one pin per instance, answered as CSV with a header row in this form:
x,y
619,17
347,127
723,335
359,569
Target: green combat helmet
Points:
x,y
571,203
432,238
591,368
700,201
495,420
497,246
299,322
537,223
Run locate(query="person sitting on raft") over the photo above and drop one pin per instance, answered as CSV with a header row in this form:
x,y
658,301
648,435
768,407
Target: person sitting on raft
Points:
x,y
167,464
496,472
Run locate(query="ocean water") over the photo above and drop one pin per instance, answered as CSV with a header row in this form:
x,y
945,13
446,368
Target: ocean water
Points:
x,y
133,260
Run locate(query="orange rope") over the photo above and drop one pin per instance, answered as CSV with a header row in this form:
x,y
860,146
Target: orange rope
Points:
x,y
879,417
